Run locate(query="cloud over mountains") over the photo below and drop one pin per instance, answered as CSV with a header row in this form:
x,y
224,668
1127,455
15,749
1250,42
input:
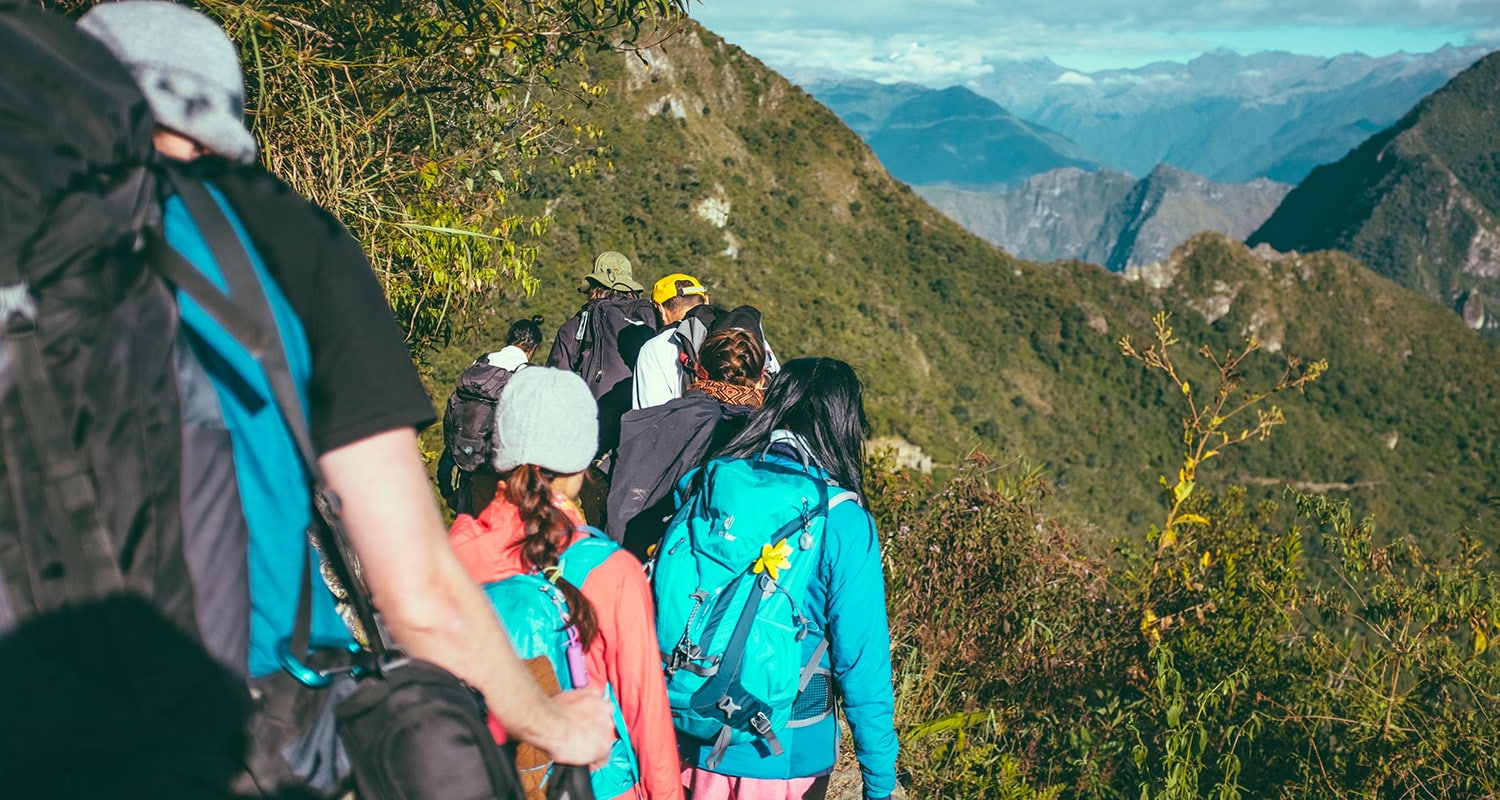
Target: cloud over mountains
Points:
x,y
947,42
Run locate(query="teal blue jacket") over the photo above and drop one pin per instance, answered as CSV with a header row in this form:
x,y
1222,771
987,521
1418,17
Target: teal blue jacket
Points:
x,y
847,601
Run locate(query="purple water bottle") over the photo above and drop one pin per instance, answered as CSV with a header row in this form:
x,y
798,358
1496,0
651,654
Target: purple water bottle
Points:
x,y
577,667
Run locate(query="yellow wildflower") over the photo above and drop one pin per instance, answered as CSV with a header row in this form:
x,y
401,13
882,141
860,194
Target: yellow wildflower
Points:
x,y
773,559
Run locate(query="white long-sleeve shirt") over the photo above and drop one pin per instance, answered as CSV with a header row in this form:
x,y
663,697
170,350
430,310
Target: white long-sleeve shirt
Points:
x,y
658,378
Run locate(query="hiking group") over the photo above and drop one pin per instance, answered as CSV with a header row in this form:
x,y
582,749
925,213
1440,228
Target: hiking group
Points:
x,y
222,572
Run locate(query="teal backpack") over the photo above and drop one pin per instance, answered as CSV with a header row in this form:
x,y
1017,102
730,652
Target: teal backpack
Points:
x,y
730,580
535,613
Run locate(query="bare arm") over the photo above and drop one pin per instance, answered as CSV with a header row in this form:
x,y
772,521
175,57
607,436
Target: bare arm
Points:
x,y
435,610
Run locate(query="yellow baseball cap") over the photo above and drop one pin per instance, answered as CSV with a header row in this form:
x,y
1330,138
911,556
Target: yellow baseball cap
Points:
x,y
676,285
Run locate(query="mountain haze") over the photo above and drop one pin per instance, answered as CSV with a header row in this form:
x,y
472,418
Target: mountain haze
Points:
x,y
1107,217
721,168
1228,117
950,136
1419,202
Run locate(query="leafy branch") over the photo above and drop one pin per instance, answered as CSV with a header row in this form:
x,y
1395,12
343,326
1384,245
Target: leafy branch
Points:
x,y
1208,429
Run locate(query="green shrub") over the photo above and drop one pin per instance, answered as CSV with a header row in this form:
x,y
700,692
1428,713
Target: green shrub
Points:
x,y
1243,650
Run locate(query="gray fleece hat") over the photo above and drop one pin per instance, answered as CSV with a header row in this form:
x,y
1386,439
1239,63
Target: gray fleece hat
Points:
x,y
186,67
546,417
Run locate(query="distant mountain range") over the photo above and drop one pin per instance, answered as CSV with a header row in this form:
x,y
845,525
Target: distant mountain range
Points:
x,y
1418,203
1108,217
951,136
1228,117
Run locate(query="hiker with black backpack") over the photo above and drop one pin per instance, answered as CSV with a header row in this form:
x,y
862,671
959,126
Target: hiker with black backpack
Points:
x,y
771,601
660,444
464,475
569,597
521,341
192,355
588,343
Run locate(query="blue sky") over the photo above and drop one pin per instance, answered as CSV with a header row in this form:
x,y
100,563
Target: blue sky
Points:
x,y
945,42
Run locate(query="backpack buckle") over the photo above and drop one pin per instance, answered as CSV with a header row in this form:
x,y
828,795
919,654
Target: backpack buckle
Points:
x,y
682,655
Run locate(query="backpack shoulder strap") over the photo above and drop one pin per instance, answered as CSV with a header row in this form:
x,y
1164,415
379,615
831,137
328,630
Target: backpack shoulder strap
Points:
x,y
586,554
811,667
581,338
842,497
687,353
249,318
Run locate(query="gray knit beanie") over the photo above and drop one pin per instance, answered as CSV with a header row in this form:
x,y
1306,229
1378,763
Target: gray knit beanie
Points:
x,y
546,417
186,67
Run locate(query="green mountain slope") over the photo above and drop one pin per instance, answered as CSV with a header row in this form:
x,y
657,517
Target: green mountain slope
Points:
x,y
723,169
1419,202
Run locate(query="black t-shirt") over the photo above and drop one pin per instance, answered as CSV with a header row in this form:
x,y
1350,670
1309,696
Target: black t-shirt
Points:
x,y
363,379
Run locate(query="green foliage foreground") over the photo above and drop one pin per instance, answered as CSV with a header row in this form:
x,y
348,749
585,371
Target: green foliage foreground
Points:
x,y
1255,651
416,121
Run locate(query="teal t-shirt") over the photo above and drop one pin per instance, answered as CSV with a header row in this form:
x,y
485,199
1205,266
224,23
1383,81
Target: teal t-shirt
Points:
x,y
272,481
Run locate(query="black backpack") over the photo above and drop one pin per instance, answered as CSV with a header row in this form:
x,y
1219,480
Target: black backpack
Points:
x,y
469,419
598,358
96,601
124,583
123,547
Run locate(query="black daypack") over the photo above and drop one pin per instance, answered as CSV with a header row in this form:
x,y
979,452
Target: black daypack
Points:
x,y
598,358
469,419
96,600
114,567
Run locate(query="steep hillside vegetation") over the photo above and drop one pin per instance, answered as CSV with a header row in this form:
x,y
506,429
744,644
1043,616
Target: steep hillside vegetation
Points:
x,y
1419,203
721,168
1106,217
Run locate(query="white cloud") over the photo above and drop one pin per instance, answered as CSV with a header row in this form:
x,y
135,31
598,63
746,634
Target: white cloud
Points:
x,y
956,38
895,58
1075,79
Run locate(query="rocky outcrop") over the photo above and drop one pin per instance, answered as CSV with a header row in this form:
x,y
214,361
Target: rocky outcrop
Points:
x,y
1107,217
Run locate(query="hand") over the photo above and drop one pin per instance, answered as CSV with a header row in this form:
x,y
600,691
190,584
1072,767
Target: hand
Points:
x,y
586,730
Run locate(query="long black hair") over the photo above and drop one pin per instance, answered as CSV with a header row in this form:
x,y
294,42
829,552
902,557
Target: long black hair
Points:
x,y
821,400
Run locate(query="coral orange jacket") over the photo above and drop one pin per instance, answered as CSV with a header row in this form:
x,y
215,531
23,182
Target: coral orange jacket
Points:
x,y
625,654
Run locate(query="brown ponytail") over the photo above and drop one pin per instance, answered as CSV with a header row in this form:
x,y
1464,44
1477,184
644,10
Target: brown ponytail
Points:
x,y
548,531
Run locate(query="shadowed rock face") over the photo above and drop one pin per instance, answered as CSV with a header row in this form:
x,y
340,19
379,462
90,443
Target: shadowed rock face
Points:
x,y
1107,217
1419,203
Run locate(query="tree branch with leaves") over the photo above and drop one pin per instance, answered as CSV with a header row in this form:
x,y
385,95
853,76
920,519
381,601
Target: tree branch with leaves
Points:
x,y
1208,429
